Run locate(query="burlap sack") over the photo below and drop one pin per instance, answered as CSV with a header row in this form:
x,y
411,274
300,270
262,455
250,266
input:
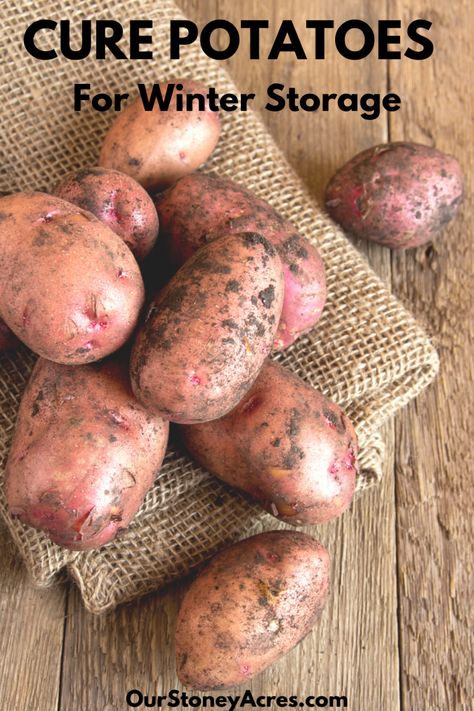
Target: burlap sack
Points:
x,y
367,353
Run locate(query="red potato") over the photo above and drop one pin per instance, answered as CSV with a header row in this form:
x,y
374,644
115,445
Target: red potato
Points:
x,y
201,206
71,290
116,200
399,194
209,330
252,603
286,445
84,453
158,147
8,340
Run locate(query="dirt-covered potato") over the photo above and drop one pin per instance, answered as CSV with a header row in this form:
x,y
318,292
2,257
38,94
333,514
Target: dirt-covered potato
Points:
x,y
71,289
286,445
252,603
116,200
157,147
200,206
397,194
208,332
84,453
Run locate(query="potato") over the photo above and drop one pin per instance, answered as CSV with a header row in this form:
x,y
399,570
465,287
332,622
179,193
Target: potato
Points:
x,y
209,331
199,207
158,147
8,340
399,194
71,289
253,603
116,200
84,453
286,445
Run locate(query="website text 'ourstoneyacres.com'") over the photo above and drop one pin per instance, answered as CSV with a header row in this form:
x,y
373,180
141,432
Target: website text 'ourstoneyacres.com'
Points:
x,y
136,698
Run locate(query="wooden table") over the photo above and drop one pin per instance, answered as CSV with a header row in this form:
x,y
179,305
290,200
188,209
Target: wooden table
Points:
x,y
395,634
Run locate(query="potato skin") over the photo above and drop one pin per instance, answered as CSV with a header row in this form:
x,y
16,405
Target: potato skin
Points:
x,y
84,453
201,206
209,331
286,445
400,195
116,200
253,603
158,147
72,290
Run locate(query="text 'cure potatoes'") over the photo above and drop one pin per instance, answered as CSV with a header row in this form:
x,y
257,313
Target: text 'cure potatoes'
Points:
x,y
201,206
208,332
84,453
251,604
71,289
157,147
286,445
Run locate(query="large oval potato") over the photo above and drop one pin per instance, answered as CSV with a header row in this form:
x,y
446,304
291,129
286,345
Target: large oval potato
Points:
x,y
209,330
71,289
84,453
398,194
157,147
116,200
201,206
286,445
252,603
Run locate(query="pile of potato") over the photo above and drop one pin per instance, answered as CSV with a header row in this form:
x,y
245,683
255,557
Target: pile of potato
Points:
x,y
134,333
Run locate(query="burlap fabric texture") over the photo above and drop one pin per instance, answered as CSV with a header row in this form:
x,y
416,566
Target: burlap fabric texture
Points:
x,y
367,353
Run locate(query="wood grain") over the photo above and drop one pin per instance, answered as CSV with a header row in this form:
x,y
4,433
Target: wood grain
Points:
x,y
434,435
31,636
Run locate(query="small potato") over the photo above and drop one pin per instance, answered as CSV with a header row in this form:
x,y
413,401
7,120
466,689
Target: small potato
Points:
x,y
116,200
201,206
8,340
84,453
158,147
399,194
209,330
252,603
286,445
71,290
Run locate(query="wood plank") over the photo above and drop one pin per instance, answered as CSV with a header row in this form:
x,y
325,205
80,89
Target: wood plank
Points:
x,y
434,437
31,636
354,649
